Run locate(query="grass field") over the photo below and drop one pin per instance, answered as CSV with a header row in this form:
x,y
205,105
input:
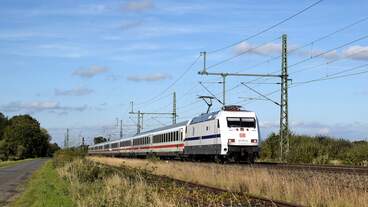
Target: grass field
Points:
x,y
10,163
303,187
44,189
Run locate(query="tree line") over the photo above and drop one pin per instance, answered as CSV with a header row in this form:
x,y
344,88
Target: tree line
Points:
x,y
317,150
22,137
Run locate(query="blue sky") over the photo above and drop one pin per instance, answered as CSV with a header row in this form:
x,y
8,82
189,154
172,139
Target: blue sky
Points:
x,y
78,64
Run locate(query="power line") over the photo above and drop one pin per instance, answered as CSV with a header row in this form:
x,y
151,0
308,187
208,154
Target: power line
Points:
x,y
173,83
240,54
310,58
330,77
336,75
313,41
328,51
268,28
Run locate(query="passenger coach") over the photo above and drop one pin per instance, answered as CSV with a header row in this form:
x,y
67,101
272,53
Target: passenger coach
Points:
x,y
229,134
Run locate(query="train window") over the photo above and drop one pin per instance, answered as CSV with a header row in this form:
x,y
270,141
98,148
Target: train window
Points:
x,y
193,132
181,136
206,128
218,124
247,122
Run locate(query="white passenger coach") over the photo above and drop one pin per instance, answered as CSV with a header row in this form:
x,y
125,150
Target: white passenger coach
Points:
x,y
229,134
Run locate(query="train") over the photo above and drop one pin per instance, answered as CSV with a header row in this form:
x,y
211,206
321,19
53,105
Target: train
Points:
x,y
229,134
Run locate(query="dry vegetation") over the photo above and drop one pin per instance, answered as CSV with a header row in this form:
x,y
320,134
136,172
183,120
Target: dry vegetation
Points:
x,y
306,188
95,185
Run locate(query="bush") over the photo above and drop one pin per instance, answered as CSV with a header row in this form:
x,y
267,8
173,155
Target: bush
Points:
x,y
358,154
93,184
61,157
316,150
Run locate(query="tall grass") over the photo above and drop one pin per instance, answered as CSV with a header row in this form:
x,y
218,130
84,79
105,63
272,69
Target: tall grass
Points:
x,y
306,188
95,185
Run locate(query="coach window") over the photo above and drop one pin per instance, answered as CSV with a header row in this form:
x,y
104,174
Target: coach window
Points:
x,y
193,132
206,128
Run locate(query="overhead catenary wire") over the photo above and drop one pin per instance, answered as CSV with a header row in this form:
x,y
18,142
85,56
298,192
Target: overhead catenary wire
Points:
x,y
241,53
268,28
312,42
324,78
305,45
172,84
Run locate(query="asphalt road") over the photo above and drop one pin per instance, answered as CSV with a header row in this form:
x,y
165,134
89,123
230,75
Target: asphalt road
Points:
x,y
13,176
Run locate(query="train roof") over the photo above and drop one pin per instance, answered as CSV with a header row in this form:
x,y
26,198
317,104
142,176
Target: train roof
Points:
x,y
183,123
204,117
213,115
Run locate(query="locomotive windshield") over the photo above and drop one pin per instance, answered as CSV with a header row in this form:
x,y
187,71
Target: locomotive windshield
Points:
x,y
247,122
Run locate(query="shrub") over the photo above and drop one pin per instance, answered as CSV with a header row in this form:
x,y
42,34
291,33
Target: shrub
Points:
x,y
317,150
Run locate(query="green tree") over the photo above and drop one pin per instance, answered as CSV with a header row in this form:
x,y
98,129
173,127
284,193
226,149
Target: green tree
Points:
x,y
270,148
99,139
53,148
3,123
24,138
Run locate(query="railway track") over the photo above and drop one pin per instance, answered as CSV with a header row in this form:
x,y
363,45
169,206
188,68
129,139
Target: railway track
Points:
x,y
251,200
220,196
343,169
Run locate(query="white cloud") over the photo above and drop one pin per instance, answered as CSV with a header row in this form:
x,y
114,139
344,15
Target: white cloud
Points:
x,y
90,72
319,53
39,106
267,49
151,77
78,91
324,131
138,5
275,49
356,52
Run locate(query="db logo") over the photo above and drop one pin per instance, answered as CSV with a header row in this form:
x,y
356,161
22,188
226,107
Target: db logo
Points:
x,y
242,134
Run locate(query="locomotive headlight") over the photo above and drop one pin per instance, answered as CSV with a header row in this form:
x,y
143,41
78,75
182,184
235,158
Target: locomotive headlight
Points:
x,y
230,140
254,140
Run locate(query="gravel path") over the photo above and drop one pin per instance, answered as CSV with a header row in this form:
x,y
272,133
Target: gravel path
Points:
x,y
13,176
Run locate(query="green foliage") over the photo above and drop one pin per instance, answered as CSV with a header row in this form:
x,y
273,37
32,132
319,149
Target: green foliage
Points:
x,y
22,137
358,153
45,188
99,139
61,157
3,123
316,150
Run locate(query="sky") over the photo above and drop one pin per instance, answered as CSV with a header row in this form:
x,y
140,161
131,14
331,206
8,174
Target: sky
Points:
x,y
79,64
